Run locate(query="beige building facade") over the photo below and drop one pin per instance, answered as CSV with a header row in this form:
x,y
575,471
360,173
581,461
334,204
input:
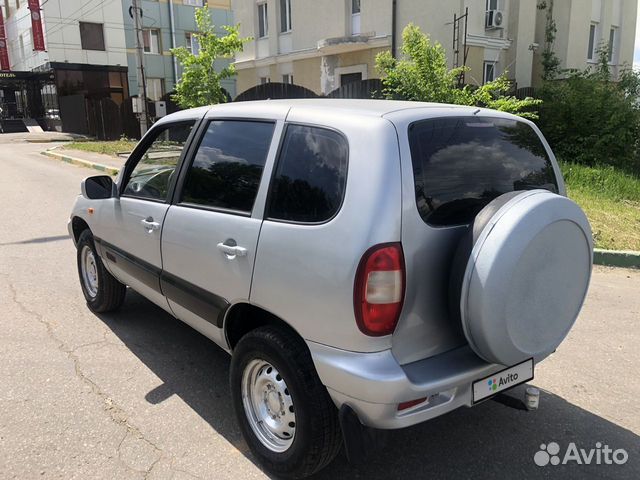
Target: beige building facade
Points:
x,y
324,44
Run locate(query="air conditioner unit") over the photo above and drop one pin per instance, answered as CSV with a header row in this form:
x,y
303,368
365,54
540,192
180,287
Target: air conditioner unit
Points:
x,y
493,19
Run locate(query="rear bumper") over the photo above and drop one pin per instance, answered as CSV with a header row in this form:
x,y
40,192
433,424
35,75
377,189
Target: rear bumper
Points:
x,y
373,384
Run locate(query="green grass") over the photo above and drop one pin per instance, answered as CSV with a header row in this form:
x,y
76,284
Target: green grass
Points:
x,y
107,148
611,200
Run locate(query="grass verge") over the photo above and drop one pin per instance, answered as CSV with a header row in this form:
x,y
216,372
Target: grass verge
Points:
x,y
611,200
107,148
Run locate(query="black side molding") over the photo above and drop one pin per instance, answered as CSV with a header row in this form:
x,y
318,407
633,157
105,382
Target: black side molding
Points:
x,y
199,301
143,271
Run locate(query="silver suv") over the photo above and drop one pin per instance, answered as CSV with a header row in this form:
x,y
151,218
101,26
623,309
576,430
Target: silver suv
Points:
x,y
367,264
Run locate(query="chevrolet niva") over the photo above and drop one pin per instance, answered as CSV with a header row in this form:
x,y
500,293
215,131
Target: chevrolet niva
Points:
x,y
366,263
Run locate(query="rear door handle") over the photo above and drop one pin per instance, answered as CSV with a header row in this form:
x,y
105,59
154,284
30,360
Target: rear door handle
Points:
x,y
149,224
232,251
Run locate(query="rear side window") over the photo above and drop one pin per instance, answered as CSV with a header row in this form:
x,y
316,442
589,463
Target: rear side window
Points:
x,y
310,177
228,165
460,164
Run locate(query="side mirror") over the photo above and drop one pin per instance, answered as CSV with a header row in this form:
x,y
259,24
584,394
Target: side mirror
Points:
x,y
98,187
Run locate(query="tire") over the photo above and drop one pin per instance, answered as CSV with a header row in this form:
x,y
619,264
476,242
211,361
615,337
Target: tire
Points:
x,y
316,439
101,290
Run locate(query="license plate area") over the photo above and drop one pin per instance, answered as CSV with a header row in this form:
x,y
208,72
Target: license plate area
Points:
x,y
500,381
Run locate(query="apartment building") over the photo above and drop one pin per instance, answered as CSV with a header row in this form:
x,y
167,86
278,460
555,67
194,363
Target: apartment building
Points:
x,y
168,24
83,54
324,44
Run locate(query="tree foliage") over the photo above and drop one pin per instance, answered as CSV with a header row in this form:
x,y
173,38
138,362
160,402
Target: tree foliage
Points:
x,y
200,81
423,75
589,118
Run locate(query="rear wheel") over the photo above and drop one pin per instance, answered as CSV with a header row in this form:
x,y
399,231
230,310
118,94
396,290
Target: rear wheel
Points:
x,y
101,290
285,413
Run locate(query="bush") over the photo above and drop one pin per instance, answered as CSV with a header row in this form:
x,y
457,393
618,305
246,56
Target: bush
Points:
x,y
590,119
423,75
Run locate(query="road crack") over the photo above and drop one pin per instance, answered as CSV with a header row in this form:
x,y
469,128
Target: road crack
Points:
x,y
116,413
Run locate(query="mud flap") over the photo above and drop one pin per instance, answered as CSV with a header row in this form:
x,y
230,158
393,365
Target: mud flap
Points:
x,y
360,441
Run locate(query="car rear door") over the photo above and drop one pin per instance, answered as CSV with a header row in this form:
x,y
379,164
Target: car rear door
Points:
x,y
210,233
129,237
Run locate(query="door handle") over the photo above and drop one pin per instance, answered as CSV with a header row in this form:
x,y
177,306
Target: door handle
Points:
x,y
149,224
232,251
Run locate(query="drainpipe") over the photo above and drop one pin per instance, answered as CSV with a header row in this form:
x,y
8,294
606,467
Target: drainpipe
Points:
x,y
394,8
172,27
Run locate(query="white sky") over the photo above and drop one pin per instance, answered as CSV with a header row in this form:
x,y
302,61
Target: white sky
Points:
x,y
636,51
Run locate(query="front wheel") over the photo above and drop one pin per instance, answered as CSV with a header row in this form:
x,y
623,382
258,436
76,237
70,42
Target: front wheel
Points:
x,y
101,290
285,413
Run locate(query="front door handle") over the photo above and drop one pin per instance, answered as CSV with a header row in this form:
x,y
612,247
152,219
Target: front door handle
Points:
x,y
149,224
232,250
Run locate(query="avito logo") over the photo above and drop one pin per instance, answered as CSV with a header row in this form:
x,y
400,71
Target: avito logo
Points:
x,y
550,454
505,380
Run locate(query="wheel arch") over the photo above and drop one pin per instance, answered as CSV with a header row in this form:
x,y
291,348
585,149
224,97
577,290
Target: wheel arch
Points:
x,y
78,225
243,317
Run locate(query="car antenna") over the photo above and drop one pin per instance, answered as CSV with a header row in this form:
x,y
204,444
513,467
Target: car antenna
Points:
x,y
476,111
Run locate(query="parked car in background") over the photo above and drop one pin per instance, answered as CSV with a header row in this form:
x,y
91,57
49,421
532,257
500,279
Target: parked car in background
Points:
x,y
367,264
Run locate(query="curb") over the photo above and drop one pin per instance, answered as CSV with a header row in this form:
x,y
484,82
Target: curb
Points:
x,y
80,162
616,258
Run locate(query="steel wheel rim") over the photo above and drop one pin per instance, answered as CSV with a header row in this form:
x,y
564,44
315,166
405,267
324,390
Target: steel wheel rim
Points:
x,y
268,405
89,270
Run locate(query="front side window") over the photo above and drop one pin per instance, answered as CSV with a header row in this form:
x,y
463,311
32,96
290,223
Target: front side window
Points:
x,y
263,21
151,40
92,36
227,167
310,178
151,177
460,164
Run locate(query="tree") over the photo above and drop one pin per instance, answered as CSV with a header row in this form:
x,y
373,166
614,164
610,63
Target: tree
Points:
x,y
200,82
423,75
550,61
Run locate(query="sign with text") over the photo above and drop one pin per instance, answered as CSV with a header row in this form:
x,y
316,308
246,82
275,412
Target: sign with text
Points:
x,y
4,52
36,26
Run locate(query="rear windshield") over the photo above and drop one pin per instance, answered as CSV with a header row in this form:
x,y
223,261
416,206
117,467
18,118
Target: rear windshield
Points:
x,y
460,164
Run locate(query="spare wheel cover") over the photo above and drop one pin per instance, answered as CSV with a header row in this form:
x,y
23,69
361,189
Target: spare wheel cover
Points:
x,y
526,278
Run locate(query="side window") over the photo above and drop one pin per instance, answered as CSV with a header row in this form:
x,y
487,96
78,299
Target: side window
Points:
x,y
227,167
310,178
153,172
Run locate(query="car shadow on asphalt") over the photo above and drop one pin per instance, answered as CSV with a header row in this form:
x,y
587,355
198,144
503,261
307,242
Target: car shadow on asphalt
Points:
x,y
489,441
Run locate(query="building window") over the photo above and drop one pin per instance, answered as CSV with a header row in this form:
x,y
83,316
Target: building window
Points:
x,y
350,78
155,88
285,16
263,21
264,80
489,72
492,5
613,35
592,41
193,3
355,17
151,40
287,78
92,36
192,43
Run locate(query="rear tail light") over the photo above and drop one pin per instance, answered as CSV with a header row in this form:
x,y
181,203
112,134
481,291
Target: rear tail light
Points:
x,y
411,403
379,289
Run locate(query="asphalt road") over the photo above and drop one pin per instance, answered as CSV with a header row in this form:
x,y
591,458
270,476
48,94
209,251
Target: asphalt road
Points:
x,y
137,394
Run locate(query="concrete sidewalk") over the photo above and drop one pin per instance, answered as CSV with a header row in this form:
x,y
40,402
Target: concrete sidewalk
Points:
x,y
97,161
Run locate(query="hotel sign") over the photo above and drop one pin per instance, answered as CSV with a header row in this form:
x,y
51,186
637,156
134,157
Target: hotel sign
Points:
x,y
36,26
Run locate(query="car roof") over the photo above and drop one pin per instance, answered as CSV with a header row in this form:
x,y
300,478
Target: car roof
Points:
x,y
280,109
